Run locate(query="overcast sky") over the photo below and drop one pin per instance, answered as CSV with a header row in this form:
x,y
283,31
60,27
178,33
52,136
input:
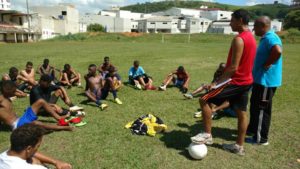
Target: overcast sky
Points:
x,y
94,6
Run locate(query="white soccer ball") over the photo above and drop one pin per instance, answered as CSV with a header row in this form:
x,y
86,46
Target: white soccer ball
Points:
x,y
197,151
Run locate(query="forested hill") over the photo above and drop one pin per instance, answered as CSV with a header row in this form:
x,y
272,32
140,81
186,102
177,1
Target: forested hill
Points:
x,y
273,10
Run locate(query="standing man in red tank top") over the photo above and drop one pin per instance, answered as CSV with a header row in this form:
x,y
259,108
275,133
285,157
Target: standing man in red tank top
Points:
x,y
238,80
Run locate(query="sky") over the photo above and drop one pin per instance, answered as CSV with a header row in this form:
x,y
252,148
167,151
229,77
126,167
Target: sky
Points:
x,y
94,6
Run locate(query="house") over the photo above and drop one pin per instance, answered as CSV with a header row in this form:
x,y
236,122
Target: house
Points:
x,y
5,5
61,19
14,27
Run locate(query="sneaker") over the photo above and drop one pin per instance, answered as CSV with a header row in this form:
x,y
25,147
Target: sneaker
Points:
x,y
202,138
118,101
188,95
75,108
163,87
198,114
234,148
250,140
103,106
215,116
138,86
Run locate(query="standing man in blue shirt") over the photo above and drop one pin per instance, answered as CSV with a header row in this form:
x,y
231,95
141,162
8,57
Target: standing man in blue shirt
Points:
x,y
267,73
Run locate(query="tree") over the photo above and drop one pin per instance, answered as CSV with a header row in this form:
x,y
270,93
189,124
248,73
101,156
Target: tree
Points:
x,y
292,20
95,28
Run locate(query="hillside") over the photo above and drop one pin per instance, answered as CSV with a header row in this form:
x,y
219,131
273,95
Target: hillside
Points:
x,y
273,10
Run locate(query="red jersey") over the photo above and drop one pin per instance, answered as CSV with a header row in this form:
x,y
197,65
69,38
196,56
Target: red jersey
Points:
x,y
243,75
181,75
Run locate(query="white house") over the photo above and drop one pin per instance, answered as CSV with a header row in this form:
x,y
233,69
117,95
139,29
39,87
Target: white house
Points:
x,y
65,19
5,5
182,12
215,14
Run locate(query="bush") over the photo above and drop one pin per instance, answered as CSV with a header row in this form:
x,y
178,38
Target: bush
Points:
x,y
95,28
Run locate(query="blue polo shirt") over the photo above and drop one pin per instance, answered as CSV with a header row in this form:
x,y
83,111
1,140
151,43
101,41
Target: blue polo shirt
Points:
x,y
273,76
135,73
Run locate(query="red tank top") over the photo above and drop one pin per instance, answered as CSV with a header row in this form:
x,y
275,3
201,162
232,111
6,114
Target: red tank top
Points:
x,y
243,75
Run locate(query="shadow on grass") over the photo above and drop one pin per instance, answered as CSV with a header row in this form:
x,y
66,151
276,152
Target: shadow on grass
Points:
x,y
4,128
88,103
180,140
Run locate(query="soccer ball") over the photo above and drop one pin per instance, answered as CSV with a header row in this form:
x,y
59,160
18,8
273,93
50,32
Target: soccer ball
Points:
x,y
197,151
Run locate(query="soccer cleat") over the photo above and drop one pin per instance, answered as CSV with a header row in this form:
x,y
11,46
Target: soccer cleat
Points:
x,y
198,114
103,106
75,108
118,101
188,95
202,138
162,87
234,148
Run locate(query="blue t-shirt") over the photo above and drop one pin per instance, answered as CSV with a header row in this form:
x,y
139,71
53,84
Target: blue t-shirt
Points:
x,y
135,73
273,76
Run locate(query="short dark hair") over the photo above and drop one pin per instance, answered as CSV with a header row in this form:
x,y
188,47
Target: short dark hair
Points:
x,y
8,85
24,136
13,70
46,78
106,58
29,64
46,61
241,14
136,62
92,65
67,67
180,68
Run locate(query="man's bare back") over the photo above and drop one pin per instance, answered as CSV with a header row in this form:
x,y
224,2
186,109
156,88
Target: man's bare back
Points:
x,y
6,111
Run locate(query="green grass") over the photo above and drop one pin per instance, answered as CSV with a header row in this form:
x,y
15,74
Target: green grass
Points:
x,y
104,143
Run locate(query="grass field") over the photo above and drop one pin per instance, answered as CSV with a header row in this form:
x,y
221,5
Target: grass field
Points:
x,y
104,143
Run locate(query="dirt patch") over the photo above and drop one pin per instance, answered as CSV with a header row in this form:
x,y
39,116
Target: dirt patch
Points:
x,y
132,34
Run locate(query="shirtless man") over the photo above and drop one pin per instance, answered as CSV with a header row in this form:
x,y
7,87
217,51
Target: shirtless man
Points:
x,y
15,77
9,117
70,77
46,69
95,84
28,74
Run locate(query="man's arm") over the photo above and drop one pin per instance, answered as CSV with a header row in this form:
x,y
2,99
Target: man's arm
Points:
x,y
5,77
23,76
53,127
237,52
39,71
49,160
65,95
274,56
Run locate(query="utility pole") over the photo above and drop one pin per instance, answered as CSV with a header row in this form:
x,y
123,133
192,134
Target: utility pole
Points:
x,y
28,19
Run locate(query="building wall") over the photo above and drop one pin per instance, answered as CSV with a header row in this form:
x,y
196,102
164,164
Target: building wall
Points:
x,y
5,5
182,11
216,15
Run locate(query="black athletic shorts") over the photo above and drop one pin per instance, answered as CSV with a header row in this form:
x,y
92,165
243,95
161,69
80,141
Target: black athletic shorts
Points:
x,y
236,95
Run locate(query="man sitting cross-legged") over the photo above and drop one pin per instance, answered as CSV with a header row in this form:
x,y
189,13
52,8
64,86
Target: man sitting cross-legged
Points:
x,y
46,69
50,93
27,75
111,84
139,78
180,79
25,142
70,77
14,76
94,87
30,115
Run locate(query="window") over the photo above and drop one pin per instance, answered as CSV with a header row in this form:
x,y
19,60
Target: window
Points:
x,y
165,23
20,21
201,23
63,12
221,14
206,23
152,23
193,23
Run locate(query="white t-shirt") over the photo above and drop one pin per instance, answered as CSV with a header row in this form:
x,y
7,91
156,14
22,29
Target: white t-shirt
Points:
x,y
13,162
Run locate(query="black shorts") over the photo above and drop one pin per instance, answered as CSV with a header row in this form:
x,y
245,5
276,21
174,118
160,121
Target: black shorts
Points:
x,y
236,95
145,78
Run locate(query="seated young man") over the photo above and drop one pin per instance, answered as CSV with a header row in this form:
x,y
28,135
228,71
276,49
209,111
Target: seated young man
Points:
x,y
139,78
27,75
30,115
14,76
25,142
203,87
70,77
46,69
111,84
104,69
95,83
50,93
179,77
